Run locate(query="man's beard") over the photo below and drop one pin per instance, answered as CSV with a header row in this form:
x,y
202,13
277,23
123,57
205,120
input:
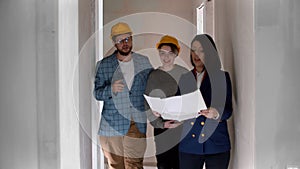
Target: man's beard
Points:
x,y
124,53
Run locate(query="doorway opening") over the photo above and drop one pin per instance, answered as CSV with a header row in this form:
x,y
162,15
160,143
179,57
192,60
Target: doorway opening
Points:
x,y
200,18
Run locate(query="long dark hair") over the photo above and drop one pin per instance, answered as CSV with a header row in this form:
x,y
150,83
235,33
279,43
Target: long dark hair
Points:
x,y
217,80
212,59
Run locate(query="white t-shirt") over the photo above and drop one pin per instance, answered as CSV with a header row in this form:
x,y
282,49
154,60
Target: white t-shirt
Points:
x,y
128,71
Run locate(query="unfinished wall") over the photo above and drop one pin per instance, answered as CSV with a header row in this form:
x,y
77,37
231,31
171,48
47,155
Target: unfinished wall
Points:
x,y
39,90
262,37
29,80
86,67
69,126
18,118
234,34
277,127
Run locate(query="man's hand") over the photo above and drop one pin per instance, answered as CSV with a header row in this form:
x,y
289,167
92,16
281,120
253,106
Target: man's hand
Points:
x,y
117,86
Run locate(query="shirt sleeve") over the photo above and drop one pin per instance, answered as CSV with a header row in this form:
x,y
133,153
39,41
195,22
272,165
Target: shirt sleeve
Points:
x,y
102,85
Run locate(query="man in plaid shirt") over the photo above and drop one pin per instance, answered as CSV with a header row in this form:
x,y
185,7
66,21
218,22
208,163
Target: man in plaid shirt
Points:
x,y
120,83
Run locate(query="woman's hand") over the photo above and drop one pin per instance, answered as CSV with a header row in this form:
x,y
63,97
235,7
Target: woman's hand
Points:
x,y
210,113
156,113
171,124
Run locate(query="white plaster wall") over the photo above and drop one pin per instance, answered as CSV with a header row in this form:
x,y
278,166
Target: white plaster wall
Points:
x,y
18,95
277,38
263,38
68,84
234,35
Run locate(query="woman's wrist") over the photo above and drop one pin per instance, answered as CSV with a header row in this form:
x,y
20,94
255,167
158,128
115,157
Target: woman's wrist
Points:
x,y
216,116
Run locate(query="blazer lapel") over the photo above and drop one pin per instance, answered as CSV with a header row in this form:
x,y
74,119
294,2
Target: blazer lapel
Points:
x,y
136,69
205,83
115,63
117,74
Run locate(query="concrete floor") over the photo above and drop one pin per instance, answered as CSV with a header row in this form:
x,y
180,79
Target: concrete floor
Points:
x,y
147,167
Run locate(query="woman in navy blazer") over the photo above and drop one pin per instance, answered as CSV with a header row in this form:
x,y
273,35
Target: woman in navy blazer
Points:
x,y
205,139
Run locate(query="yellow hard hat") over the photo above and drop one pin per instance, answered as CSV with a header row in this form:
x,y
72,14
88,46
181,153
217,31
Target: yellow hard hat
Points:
x,y
119,29
168,39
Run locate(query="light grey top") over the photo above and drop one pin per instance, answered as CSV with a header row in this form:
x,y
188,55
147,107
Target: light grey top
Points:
x,y
162,84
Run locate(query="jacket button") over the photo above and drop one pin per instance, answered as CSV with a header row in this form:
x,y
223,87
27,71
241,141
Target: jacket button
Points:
x,y
202,123
193,135
202,135
192,123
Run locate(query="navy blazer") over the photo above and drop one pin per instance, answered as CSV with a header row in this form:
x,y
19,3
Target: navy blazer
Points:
x,y
119,109
208,136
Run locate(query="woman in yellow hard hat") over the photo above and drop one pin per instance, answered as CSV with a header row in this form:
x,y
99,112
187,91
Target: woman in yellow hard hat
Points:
x,y
163,82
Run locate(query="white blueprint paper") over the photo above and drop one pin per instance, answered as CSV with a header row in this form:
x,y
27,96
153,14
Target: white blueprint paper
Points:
x,y
178,107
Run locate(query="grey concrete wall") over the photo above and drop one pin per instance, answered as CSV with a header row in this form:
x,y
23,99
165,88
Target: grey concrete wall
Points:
x,y
39,90
28,73
47,83
277,127
18,118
